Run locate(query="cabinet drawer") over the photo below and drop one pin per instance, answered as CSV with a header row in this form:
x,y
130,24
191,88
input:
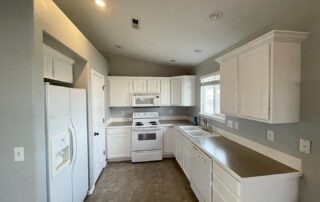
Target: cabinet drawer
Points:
x,y
222,191
113,131
226,179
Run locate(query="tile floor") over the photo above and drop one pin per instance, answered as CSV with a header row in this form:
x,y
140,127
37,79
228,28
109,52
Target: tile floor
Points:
x,y
143,182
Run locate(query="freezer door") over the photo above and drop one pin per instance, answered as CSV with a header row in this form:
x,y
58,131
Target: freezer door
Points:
x,y
58,138
78,113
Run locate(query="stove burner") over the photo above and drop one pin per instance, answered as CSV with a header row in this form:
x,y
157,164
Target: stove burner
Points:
x,y
139,124
153,123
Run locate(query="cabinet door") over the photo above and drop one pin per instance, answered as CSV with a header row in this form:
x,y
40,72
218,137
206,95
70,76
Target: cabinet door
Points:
x,y
165,92
186,157
178,147
176,92
139,86
200,173
47,63
168,146
62,69
228,86
118,145
120,92
254,67
153,86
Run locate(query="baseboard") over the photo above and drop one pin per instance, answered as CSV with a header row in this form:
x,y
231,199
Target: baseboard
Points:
x,y
119,159
284,158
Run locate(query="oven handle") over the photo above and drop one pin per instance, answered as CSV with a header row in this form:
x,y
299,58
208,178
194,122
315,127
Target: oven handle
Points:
x,y
145,129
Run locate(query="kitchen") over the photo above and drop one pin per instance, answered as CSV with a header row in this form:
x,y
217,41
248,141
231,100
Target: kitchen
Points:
x,y
134,101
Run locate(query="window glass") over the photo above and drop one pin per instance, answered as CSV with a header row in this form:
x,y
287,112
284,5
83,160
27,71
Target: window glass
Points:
x,y
210,95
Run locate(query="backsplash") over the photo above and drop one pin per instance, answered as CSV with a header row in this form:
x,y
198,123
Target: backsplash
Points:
x,y
126,112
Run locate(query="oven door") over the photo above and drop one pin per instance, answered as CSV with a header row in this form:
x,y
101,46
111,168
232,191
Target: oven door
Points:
x,y
144,139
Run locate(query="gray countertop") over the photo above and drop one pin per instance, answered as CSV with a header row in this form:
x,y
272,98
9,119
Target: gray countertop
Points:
x,y
120,124
241,160
176,122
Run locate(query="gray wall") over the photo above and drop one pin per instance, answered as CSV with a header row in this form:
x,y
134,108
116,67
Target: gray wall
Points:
x,y
126,112
128,66
287,135
17,110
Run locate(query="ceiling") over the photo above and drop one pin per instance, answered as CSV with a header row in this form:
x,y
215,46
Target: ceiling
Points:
x,y
173,29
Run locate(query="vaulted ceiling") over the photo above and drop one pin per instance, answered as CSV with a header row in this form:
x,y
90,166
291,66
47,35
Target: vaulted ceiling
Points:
x,y
174,29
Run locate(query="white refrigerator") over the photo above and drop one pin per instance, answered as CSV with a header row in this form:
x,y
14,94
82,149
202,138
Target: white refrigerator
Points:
x,y
66,144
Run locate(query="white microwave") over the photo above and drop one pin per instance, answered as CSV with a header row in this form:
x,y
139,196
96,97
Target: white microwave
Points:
x,y
145,99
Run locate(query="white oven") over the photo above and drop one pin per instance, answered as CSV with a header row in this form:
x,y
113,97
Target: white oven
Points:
x,y
147,143
145,99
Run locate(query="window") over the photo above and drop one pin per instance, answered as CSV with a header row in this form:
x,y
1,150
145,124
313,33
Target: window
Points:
x,y
210,96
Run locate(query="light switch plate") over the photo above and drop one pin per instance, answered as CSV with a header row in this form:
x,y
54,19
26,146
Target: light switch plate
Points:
x,y
236,125
270,135
19,154
305,146
230,123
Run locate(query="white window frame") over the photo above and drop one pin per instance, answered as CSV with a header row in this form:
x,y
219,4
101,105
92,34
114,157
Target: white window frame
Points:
x,y
217,117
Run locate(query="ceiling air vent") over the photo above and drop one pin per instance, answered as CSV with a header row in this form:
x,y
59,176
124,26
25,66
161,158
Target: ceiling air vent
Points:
x,y
135,23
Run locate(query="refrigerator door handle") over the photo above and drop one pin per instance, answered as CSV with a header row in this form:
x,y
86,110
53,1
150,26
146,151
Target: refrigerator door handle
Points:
x,y
73,148
74,144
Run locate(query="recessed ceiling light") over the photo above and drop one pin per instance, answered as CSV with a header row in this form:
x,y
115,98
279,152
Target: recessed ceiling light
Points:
x,y
172,60
197,51
216,15
117,46
101,3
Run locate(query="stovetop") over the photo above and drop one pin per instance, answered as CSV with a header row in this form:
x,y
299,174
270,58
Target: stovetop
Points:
x,y
145,122
145,119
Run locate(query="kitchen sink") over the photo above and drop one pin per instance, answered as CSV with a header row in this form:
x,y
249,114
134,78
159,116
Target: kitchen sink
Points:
x,y
190,128
195,131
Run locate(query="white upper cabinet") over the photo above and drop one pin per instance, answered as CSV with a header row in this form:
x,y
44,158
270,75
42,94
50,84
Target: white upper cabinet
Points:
x,y
165,92
254,83
182,91
153,86
261,80
228,85
120,92
139,85
57,66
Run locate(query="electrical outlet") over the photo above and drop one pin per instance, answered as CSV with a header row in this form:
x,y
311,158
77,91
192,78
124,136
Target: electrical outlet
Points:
x,y
19,154
230,123
236,125
270,135
305,146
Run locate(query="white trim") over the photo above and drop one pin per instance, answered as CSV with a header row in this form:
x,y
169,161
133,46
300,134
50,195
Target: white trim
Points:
x,y
276,35
91,190
284,158
208,75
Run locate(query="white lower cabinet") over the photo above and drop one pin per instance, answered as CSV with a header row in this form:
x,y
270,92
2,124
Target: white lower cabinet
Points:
x,y
168,140
178,147
200,174
118,143
186,156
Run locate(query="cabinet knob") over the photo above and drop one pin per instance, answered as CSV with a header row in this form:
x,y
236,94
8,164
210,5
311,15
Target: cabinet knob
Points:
x,y
95,134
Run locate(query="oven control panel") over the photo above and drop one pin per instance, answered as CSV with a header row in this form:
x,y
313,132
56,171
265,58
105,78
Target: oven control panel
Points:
x,y
145,115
